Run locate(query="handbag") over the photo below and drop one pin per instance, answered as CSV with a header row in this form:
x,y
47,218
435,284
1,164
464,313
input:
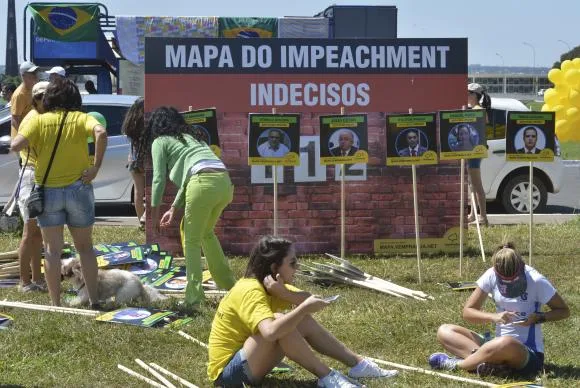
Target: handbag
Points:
x,y
35,202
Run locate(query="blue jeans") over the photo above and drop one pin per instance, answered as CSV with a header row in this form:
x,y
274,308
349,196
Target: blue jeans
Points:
x,y
236,373
534,365
73,205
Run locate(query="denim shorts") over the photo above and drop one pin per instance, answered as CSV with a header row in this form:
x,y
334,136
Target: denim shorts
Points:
x,y
73,205
236,373
534,365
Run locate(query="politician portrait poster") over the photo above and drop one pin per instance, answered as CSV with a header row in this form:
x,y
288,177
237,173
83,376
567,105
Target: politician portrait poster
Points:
x,y
343,139
462,134
530,136
274,139
204,124
411,139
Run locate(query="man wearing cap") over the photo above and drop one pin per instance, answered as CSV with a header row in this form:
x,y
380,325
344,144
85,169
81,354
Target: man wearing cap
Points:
x,y
55,72
518,292
21,101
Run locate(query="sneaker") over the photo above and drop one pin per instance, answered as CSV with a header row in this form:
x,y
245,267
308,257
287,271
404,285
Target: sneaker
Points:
x,y
487,369
443,361
41,285
367,368
30,287
336,379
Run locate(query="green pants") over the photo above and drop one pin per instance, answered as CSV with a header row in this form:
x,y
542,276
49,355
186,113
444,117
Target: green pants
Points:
x,y
206,197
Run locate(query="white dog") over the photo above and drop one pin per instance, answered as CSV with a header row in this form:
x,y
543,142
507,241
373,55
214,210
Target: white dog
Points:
x,y
122,285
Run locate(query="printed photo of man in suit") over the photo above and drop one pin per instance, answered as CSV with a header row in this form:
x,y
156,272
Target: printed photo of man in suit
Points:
x,y
530,137
413,147
345,145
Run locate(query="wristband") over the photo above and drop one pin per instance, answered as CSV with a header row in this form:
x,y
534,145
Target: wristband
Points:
x,y
541,318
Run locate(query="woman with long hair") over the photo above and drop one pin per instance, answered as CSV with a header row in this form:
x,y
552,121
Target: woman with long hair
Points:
x,y
133,127
477,98
250,336
68,192
205,190
518,291
30,249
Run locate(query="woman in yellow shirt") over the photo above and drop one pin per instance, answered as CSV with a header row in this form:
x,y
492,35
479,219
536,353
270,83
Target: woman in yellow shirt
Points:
x,y
250,336
68,192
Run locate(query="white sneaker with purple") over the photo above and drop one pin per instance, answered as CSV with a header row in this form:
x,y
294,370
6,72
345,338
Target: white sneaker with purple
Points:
x,y
443,361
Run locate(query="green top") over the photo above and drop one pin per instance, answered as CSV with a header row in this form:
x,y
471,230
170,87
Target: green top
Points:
x,y
170,154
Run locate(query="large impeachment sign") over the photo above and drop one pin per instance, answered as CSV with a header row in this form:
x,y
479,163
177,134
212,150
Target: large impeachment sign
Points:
x,y
305,75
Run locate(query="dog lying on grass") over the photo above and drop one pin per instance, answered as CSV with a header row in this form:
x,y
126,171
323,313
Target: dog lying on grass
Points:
x,y
121,285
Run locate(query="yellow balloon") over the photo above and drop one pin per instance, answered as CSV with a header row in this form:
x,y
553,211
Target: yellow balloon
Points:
x,y
551,96
568,133
574,97
576,63
547,108
561,126
560,112
572,77
566,65
555,76
572,115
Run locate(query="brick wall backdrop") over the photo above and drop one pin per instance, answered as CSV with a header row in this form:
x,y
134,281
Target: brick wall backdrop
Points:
x,y
309,213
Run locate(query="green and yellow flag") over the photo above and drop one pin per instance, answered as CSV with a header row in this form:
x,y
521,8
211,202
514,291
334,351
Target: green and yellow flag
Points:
x,y
65,22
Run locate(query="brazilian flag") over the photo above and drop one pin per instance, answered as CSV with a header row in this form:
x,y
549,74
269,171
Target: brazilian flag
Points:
x,y
65,22
252,27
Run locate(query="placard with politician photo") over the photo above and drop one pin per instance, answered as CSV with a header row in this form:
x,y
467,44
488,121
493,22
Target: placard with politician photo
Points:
x,y
274,139
411,139
343,139
462,134
530,136
204,124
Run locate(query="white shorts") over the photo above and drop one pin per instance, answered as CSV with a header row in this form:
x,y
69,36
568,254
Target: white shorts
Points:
x,y
25,189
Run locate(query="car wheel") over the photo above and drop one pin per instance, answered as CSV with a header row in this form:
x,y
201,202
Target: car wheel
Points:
x,y
515,195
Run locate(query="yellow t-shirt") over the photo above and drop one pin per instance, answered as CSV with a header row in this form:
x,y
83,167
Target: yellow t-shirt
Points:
x,y
20,105
24,153
237,318
72,154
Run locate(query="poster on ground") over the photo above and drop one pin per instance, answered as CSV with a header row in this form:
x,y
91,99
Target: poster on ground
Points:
x,y
530,136
411,139
343,139
462,134
274,139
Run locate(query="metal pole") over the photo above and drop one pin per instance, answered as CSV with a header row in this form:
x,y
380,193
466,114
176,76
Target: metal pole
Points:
x,y
566,43
534,66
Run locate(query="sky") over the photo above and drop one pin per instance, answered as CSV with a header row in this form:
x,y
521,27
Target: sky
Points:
x,y
496,29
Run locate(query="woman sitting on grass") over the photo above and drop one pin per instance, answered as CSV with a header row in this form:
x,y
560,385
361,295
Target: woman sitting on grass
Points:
x,y
518,291
249,336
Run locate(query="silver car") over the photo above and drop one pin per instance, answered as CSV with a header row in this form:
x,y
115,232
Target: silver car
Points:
x,y
113,184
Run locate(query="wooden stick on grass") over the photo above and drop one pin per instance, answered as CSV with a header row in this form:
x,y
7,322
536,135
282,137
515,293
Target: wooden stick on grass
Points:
x,y
173,376
140,376
56,309
195,340
430,372
166,382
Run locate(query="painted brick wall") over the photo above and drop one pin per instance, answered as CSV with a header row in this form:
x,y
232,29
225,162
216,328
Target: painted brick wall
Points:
x,y
309,213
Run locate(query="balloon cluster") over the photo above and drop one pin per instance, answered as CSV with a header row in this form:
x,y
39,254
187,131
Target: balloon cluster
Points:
x,y
564,99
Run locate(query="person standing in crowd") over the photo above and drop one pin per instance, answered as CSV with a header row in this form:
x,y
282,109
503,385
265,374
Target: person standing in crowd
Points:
x,y
90,87
477,98
68,192
56,72
21,101
518,291
7,92
133,128
205,190
250,336
30,249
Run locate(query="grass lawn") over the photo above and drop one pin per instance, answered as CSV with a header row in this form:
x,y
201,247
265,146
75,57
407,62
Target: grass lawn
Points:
x,y
570,150
60,350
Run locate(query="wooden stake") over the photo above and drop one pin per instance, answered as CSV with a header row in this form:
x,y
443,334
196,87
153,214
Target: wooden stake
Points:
x,y
173,376
531,196
140,376
275,200
195,340
57,309
474,205
8,255
461,215
155,373
429,372
342,204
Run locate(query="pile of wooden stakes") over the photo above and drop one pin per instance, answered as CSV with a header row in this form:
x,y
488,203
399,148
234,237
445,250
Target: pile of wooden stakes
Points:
x,y
346,273
9,268
155,370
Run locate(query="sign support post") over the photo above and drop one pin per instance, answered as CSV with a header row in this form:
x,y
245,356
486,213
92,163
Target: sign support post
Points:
x,y
275,200
416,211
531,197
342,205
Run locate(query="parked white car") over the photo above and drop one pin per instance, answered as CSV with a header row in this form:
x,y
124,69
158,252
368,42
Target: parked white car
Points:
x,y
113,184
507,182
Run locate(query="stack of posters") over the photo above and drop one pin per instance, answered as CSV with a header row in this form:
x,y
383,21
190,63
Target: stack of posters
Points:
x,y
144,317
